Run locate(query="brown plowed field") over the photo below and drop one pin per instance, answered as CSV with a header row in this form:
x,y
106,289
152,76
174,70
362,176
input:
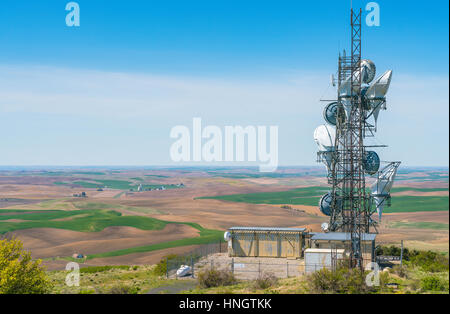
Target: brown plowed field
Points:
x,y
45,243
148,258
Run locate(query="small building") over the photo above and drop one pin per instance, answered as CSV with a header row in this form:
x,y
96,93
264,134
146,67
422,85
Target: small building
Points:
x,y
266,242
342,240
317,259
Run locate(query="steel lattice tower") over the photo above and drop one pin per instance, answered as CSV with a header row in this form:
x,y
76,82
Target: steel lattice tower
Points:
x,y
351,202
341,147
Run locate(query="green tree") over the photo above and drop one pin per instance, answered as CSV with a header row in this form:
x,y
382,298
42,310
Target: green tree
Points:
x,y
19,274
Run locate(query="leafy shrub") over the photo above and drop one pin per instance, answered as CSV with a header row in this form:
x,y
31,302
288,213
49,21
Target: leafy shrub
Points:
x,y
19,274
430,261
265,281
161,267
216,278
433,283
123,289
414,284
395,251
399,271
324,281
342,280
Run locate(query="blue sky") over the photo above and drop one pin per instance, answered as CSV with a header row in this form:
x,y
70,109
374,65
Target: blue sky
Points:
x,y
108,92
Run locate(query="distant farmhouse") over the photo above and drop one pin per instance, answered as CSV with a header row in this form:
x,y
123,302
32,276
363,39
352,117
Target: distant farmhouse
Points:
x,y
82,194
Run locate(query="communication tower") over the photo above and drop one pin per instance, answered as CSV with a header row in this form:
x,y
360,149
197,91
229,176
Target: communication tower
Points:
x,y
342,148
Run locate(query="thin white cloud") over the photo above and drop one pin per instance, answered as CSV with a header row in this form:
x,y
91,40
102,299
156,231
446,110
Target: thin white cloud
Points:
x,y
415,124
106,94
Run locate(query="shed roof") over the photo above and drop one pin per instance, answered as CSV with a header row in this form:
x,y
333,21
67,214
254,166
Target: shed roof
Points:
x,y
267,229
311,250
341,236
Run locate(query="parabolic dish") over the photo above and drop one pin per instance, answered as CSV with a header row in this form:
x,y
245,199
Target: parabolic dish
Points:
x,y
368,71
325,204
380,87
325,226
330,113
325,136
227,236
371,162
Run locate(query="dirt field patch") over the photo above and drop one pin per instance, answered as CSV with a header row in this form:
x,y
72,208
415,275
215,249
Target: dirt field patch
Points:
x,y
46,243
418,193
147,258
441,216
13,220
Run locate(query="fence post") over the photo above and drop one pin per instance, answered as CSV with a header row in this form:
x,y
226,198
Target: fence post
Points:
x,y
167,267
232,265
259,268
401,256
287,269
212,264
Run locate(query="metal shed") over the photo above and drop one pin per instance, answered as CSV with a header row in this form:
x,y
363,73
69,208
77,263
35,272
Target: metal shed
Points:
x,y
342,240
267,242
317,259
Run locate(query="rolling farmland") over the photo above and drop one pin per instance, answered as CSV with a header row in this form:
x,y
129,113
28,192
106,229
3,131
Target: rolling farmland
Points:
x,y
115,224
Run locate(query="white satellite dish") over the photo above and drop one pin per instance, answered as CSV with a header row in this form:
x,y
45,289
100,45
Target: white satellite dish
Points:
x,y
227,236
184,270
375,94
383,185
368,71
379,88
325,227
325,136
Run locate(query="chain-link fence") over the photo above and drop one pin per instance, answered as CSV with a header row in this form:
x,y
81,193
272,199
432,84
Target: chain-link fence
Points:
x,y
254,270
190,259
215,256
388,253
248,268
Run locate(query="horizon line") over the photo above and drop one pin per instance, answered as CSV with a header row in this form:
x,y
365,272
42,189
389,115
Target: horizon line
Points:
x,y
185,166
